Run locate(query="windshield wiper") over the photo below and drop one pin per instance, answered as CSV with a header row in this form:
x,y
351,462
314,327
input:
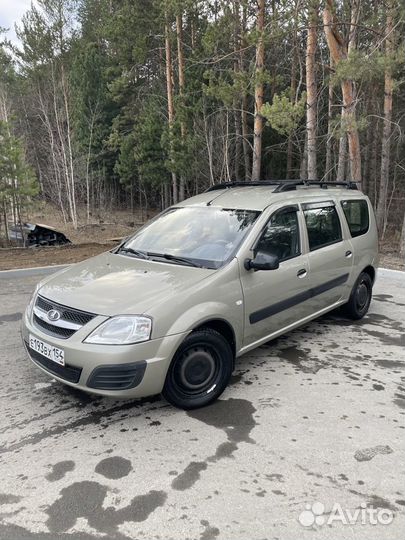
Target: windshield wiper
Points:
x,y
174,258
135,252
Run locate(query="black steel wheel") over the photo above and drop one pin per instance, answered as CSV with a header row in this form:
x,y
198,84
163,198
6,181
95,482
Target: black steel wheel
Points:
x,y
200,370
360,297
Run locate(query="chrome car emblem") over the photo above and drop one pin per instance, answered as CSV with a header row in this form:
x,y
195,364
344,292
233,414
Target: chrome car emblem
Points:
x,y
53,315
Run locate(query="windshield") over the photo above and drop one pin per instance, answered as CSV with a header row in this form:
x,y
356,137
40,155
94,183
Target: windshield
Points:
x,y
200,236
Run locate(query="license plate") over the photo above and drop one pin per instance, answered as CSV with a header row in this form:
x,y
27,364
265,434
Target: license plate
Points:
x,y
49,351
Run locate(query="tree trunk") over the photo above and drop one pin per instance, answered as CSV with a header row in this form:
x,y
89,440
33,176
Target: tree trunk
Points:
x,y
6,232
209,143
244,118
381,213
328,158
373,164
352,132
238,141
70,149
341,168
366,159
245,138
226,147
258,122
311,90
170,103
194,25
289,166
65,158
45,118
166,195
304,159
402,242
293,89
88,169
350,113
236,101
338,52
180,58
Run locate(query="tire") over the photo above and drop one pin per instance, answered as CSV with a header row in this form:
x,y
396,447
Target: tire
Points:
x,y
360,298
200,370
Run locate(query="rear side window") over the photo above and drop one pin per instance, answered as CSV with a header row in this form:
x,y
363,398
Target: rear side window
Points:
x,y
281,236
323,226
357,216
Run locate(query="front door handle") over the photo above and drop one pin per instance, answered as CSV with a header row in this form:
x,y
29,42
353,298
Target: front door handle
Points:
x,y
348,254
302,273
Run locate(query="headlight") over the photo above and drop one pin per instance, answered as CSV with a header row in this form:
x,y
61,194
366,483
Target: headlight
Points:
x,y
121,330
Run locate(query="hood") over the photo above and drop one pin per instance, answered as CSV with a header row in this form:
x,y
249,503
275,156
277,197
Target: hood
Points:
x,y
112,284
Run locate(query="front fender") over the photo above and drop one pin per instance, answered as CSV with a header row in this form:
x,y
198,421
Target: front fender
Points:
x,y
208,311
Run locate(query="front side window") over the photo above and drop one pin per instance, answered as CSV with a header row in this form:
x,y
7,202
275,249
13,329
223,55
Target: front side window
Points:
x,y
356,213
281,236
199,236
323,226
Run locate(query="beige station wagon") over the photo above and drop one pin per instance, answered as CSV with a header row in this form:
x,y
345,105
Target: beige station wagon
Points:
x,y
207,280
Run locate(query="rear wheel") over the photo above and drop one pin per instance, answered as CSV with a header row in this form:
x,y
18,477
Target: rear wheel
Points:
x,y
200,370
360,297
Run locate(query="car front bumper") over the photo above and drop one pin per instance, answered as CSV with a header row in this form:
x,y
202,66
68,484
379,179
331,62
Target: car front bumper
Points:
x,y
139,369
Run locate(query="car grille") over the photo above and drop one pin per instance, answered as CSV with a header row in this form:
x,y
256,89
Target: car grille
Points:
x,y
52,330
70,321
68,314
67,372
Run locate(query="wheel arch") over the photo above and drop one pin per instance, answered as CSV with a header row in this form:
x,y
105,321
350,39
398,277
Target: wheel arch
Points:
x,y
221,326
370,270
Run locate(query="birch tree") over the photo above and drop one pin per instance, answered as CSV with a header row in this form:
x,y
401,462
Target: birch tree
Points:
x,y
259,90
46,35
381,213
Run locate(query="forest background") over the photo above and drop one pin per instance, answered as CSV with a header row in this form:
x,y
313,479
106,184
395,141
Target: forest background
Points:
x,y
111,105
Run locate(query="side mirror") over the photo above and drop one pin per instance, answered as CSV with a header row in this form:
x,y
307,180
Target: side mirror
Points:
x,y
263,261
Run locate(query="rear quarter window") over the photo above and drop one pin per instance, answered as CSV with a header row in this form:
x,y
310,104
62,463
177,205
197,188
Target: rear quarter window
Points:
x,y
357,216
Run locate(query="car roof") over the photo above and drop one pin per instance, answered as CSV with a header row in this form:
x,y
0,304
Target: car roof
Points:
x,y
256,197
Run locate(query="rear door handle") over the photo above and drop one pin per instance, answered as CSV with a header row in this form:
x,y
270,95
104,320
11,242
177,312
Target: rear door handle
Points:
x,y
301,273
348,254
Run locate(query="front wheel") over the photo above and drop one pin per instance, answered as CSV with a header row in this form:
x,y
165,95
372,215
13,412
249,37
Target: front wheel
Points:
x,y
200,370
360,297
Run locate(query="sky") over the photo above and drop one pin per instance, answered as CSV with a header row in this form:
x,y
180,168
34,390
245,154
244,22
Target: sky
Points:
x,y
11,12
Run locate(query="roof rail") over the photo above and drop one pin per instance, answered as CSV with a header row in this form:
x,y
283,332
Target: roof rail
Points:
x,y
284,185
226,185
290,185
